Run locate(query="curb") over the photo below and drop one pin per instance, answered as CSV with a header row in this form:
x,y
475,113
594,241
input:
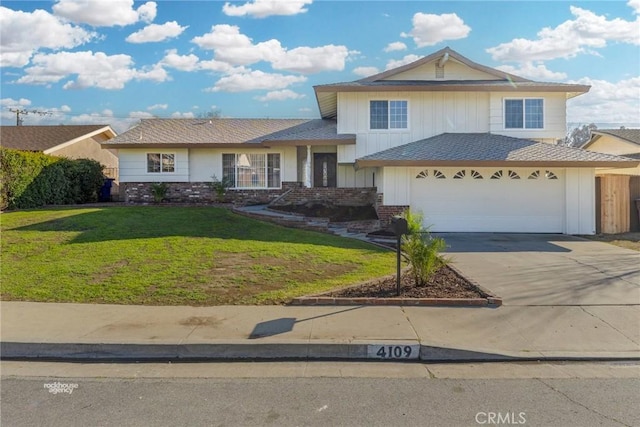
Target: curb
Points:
x,y
276,351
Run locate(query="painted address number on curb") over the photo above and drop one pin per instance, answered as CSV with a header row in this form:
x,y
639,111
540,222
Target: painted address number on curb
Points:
x,y
393,351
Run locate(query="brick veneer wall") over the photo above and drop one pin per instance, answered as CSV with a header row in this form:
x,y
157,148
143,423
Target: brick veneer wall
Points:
x,y
199,192
336,196
386,212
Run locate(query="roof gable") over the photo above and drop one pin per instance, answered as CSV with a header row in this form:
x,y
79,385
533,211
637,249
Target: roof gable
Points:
x,y
46,138
425,68
627,135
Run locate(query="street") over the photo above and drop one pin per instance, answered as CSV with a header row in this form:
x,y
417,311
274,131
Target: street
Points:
x,y
323,394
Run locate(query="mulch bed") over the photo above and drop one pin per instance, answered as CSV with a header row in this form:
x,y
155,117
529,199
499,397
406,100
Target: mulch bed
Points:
x,y
445,283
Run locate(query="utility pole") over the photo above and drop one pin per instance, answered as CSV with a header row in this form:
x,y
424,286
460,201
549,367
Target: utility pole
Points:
x,y
24,112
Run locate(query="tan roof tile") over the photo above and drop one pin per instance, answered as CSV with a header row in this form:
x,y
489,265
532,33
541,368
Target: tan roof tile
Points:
x,y
41,138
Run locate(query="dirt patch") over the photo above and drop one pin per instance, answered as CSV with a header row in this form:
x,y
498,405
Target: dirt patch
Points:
x,y
629,240
333,212
445,283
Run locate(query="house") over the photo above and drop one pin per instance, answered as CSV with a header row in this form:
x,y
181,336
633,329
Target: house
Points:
x,y
472,147
621,142
71,141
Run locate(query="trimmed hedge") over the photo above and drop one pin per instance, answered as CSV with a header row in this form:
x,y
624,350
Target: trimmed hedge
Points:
x,y
31,180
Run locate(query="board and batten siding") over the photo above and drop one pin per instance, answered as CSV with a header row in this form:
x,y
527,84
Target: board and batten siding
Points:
x,y
204,163
555,116
430,114
452,71
133,165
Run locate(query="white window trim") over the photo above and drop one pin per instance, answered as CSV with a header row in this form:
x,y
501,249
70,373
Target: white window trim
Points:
x,y
523,128
382,98
161,172
266,160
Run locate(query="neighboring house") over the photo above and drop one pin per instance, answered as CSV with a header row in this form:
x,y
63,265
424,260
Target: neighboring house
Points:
x,y
472,147
621,142
71,141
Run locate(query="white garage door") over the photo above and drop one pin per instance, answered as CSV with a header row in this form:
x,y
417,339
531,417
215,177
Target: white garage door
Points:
x,y
490,199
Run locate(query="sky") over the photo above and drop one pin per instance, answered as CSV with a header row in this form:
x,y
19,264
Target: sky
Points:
x,y
117,61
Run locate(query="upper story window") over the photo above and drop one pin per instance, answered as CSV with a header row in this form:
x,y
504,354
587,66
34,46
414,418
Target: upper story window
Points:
x,y
525,113
244,170
161,163
388,114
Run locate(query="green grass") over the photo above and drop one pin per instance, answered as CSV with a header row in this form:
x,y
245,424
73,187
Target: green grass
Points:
x,y
173,256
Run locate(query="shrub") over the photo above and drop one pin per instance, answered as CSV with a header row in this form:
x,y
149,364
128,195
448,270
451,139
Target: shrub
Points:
x,y
220,187
159,191
422,251
30,180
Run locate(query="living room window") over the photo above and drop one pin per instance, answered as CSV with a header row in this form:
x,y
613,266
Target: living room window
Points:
x,y
245,170
161,163
525,113
388,114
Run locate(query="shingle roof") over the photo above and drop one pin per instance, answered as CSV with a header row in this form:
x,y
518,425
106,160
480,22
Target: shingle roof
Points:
x,y
630,135
479,148
213,132
452,84
42,138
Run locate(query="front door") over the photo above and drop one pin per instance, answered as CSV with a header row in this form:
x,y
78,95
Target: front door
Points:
x,y
324,169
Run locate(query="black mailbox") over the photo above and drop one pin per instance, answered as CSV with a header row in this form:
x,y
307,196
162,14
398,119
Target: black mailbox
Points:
x,y
399,226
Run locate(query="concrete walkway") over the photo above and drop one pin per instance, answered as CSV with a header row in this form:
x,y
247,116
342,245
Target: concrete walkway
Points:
x,y
565,298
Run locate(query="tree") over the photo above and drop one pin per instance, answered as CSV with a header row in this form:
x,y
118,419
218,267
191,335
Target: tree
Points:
x,y
579,135
213,114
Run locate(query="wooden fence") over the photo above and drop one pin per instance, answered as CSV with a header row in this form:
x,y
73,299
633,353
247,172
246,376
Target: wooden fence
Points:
x,y
616,210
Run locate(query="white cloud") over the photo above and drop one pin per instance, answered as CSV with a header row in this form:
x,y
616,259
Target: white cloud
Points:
x,y
395,46
408,59
103,13
365,71
305,110
534,72
91,70
156,33
587,31
235,48
264,8
635,5
180,62
312,59
606,102
429,29
255,80
232,47
187,115
44,31
157,107
280,95
10,102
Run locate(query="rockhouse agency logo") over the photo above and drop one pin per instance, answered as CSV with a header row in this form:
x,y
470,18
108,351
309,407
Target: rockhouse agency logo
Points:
x,y
501,418
59,387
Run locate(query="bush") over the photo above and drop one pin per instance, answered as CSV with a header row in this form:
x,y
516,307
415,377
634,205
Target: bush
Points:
x,y
159,191
422,251
220,187
31,180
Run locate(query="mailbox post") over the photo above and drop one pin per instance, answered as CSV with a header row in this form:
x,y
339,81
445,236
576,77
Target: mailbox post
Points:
x,y
399,227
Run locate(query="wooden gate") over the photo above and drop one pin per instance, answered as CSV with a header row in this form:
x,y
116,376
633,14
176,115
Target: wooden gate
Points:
x,y
616,210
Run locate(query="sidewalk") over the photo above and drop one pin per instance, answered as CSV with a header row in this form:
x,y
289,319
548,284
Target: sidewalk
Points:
x,y
83,331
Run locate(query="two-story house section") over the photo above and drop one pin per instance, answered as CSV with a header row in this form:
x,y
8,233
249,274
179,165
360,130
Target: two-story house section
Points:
x,y
472,147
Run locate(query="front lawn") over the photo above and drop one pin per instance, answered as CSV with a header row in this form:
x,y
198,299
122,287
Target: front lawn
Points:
x,y
173,256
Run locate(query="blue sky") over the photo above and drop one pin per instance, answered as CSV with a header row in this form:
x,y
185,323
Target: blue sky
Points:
x,y
116,61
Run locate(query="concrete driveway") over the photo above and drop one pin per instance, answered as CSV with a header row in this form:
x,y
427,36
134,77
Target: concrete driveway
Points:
x,y
548,270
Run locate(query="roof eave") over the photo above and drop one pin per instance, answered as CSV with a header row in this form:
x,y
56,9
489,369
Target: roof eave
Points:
x,y
362,163
170,145
574,90
304,142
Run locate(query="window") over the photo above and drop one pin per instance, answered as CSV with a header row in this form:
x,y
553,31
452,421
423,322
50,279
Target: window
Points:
x,y
523,113
161,163
245,170
388,114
